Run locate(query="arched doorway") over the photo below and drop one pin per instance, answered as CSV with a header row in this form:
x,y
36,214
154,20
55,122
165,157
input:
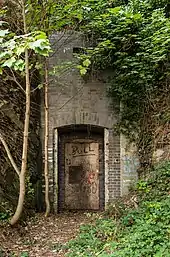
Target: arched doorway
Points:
x,y
81,167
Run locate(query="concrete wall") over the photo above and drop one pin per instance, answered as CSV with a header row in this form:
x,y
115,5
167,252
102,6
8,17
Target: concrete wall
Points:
x,y
73,100
129,164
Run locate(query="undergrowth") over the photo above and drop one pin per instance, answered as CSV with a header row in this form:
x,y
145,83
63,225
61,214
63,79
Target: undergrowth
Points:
x,y
142,231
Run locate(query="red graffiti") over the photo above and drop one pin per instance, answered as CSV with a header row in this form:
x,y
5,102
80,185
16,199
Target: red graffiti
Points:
x,y
90,177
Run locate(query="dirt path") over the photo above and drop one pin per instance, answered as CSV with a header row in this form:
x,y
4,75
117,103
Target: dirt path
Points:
x,y
40,236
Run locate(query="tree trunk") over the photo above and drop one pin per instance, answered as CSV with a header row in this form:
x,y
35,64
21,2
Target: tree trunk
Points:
x,y
46,171
21,198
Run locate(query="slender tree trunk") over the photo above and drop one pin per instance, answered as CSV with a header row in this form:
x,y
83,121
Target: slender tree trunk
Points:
x,y
46,170
22,175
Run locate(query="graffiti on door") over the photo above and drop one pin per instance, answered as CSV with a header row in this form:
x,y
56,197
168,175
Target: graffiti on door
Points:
x,y
88,183
81,175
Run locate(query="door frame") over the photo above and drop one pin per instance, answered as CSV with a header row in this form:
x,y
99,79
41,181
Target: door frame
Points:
x,y
56,138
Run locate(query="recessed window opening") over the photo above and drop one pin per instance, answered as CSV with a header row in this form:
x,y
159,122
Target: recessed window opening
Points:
x,y
75,174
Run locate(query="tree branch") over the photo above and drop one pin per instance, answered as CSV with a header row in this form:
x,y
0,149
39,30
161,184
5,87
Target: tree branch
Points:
x,y
15,80
9,155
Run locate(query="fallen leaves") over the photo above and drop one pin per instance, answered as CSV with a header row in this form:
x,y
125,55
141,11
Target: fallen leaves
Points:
x,y
41,236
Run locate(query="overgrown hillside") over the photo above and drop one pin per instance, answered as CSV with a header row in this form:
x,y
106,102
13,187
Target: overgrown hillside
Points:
x,y
11,127
12,112
131,40
124,231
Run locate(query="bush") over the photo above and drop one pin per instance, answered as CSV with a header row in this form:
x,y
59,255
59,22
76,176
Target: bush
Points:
x,y
141,232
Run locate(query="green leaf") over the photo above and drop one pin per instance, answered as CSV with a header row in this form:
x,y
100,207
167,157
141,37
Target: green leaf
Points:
x,y
9,63
83,71
39,43
40,46
41,35
24,254
115,10
137,16
86,63
19,65
38,65
4,32
20,50
1,71
40,86
5,54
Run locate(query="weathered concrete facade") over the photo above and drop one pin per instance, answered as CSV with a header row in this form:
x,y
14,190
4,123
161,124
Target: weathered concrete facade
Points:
x,y
81,120
129,164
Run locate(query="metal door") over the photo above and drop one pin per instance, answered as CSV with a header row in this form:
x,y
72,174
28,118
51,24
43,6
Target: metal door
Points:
x,y
81,175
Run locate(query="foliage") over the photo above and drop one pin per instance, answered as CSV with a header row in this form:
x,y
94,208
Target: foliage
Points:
x,y
17,48
92,238
5,212
4,215
24,254
11,254
14,46
131,39
157,185
30,194
144,231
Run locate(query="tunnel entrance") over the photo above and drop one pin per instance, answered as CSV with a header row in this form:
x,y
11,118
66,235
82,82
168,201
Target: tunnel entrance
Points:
x,y
80,168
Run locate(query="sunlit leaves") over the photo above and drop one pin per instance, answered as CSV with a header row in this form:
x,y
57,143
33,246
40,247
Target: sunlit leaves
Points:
x,y
4,32
9,62
13,48
86,62
115,10
82,69
40,46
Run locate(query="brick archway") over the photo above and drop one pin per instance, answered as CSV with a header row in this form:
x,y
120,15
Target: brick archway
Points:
x,y
74,192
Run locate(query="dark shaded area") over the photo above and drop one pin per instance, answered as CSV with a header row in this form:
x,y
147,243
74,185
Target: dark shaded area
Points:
x,y
75,174
12,112
167,10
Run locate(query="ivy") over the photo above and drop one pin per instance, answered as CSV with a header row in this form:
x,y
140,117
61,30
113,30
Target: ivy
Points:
x,y
131,39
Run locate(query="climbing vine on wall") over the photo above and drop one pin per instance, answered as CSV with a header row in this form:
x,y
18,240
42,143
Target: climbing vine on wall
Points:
x,y
132,40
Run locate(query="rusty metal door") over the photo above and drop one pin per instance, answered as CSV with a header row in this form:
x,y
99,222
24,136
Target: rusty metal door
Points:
x,y
81,175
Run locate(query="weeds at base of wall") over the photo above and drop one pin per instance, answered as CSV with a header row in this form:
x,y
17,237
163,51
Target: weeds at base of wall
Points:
x,y
11,254
6,212
141,231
